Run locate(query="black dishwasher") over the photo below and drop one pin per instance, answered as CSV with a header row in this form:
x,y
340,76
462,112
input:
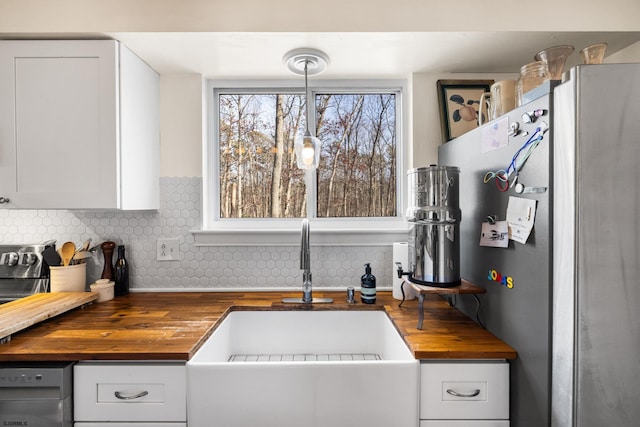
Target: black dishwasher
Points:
x,y
36,394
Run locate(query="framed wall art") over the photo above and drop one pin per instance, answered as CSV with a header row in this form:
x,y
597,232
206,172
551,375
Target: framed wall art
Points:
x,y
459,102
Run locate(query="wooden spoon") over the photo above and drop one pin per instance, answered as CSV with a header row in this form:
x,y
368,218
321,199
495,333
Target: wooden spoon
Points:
x,y
85,245
67,251
80,256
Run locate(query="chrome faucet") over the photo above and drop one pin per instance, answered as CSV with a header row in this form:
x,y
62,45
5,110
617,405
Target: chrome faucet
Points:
x,y
305,263
305,266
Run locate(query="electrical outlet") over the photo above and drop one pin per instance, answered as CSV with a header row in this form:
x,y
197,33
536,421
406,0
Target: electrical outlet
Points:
x,y
168,249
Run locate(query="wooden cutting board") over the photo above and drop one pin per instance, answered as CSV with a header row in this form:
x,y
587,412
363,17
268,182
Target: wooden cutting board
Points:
x,y
24,312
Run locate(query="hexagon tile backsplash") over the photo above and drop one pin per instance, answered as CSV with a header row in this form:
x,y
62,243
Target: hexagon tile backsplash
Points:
x,y
213,267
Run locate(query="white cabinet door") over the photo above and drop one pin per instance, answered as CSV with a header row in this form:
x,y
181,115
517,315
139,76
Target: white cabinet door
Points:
x,y
464,423
139,134
129,392
62,115
118,424
469,390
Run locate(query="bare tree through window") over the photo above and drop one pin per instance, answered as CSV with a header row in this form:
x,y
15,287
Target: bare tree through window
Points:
x,y
258,177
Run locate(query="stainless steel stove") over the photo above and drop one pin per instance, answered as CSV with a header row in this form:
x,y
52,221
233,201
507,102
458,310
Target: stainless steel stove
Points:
x,y
23,271
31,393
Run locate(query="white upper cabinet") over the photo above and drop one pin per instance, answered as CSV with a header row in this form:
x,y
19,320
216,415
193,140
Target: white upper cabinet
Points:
x,y
79,126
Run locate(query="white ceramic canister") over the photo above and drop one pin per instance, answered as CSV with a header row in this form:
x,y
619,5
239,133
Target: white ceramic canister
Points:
x,y
70,278
104,288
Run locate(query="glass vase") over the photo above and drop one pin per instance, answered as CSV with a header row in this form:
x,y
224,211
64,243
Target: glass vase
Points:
x,y
593,54
555,57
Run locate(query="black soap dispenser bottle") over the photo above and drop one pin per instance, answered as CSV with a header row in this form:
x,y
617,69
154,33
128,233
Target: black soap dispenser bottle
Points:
x,y
368,286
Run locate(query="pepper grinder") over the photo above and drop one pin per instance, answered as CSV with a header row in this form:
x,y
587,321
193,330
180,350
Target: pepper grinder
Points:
x,y
107,251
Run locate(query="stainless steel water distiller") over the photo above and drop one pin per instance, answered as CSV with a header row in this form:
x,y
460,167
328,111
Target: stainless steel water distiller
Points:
x,y
434,226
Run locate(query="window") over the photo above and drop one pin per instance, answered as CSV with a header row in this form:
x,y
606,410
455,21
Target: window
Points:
x,y
253,181
258,176
357,172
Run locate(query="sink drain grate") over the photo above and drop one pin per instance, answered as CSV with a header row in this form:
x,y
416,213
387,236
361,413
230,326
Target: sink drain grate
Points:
x,y
302,357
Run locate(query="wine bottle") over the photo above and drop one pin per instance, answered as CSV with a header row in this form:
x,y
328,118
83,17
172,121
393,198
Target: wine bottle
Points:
x,y
121,271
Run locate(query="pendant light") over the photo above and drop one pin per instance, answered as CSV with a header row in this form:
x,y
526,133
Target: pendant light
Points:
x,y
308,62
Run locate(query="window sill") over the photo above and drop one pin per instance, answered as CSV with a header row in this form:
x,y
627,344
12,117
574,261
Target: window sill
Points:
x,y
291,237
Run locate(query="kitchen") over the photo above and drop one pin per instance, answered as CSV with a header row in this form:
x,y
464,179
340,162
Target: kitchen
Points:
x,y
224,267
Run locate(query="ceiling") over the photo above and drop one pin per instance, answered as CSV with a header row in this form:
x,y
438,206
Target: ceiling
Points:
x,y
244,55
251,55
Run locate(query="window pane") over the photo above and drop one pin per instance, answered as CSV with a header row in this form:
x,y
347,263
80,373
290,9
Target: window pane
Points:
x,y
258,173
357,173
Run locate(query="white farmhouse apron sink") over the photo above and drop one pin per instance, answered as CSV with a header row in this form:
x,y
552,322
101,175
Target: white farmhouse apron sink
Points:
x,y
303,368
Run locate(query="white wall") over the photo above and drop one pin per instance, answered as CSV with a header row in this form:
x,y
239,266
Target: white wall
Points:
x,y
74,16
181,125
630,54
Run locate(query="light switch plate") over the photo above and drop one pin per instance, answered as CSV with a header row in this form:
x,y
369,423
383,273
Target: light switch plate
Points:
x,y
168,249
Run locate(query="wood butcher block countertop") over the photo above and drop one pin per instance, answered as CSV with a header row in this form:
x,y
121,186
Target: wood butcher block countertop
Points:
x,y
173,325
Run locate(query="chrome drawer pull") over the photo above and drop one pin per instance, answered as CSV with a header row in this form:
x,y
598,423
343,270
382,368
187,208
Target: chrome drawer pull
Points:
x,y
456,394
131,397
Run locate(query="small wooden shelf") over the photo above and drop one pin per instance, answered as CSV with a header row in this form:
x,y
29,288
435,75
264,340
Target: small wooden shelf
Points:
x,y
465,287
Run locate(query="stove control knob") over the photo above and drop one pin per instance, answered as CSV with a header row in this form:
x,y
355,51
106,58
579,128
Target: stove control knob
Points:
x,y
9,258
28,258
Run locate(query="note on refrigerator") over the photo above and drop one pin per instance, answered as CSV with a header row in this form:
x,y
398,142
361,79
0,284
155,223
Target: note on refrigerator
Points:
x,y
496,135
521,214
495,234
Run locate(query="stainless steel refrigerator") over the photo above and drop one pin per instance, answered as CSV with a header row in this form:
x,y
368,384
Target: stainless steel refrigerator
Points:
x,y
572,311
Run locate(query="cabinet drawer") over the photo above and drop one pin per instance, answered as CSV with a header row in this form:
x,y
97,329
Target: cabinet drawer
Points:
x,y
125,424
464,391
465,423
130,392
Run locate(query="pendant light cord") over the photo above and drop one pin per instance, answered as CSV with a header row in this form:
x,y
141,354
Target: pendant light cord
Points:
x,y
306,100
306,64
